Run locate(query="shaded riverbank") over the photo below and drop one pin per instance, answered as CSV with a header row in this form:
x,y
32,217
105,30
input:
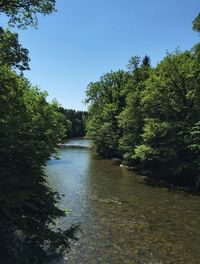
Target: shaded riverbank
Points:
x,y
122,219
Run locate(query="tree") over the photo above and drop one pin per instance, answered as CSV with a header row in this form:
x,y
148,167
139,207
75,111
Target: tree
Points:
x,y
22,13
106,99
30,130
146,62
150,117
196,23
170,104
11,52
131,119
77,121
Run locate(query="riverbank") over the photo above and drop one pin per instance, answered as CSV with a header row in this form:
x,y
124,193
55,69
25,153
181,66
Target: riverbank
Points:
x,y
156,182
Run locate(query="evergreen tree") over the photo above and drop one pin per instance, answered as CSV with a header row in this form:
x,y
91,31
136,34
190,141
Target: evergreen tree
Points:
x,y
146,62
196,23
75,122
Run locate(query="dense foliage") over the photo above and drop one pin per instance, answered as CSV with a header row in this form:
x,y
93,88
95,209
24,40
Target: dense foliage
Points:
x,y
107,99
75,122
149,117
11,51
30,131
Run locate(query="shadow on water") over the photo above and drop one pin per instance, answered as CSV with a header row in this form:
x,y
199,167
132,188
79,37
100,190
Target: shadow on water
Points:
x,y
154,183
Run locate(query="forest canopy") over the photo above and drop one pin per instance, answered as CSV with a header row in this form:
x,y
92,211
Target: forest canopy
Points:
x,y
149,117
75,122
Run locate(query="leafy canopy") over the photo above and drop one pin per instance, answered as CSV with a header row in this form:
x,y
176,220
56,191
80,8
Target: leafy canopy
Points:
x,y
23,13
11,51
151,120
30,131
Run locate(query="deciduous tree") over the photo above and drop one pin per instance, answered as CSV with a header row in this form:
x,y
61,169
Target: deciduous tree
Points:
x,y
23,13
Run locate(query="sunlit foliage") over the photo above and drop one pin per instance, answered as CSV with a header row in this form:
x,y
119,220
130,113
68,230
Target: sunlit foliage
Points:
x,y
153,122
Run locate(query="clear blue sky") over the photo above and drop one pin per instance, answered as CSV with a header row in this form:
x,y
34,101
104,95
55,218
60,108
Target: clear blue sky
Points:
x,y
87,38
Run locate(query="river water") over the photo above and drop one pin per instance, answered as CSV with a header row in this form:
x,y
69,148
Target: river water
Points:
x,y
122,219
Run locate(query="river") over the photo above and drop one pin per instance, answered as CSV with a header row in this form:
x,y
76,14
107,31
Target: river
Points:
x,y
122,219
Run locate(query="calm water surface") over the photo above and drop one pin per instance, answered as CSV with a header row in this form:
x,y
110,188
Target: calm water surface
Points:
x,y
122,220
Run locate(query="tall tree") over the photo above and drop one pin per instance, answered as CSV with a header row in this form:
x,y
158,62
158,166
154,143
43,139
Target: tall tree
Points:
x,y
30,130
146,62
171,111
131,119
106,99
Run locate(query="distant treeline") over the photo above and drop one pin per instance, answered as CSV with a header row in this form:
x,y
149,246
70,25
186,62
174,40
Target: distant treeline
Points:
x,y
150,116
75,122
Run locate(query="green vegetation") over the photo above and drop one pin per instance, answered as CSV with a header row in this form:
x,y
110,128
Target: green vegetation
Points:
x,y
196,23
30,131
12,53
22,13
107,99
150,116
75,122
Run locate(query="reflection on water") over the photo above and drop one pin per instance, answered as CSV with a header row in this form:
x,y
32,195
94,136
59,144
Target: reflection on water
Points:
x,y
76,143
123,220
